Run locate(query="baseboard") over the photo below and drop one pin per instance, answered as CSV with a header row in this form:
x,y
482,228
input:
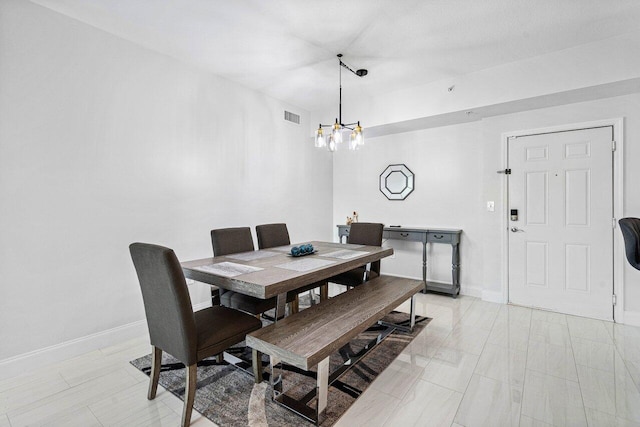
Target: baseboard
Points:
x,y
33,360
472,291
492,296
631,318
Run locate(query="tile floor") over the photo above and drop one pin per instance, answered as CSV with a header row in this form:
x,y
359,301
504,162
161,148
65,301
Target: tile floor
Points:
x,y
476,364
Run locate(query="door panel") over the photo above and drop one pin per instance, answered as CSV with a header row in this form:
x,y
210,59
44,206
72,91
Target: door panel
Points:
x,y
561,245
536,264
537,197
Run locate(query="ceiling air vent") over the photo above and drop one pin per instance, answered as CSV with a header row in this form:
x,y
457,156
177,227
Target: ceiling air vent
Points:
x,y
291,117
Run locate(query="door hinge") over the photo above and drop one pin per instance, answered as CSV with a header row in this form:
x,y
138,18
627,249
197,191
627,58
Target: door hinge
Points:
x,y
613,223
614,299
505,171
613,146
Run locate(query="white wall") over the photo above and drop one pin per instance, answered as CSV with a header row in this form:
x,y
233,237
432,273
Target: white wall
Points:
x,y
455,168
447,163
103,143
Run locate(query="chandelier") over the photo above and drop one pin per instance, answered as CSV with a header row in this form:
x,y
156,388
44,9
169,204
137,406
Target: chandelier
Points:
x,y
356,138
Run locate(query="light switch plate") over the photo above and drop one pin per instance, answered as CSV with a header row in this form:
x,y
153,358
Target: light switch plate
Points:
x,y
491,206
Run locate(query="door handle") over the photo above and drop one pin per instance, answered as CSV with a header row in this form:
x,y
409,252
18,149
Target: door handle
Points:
x,y
516,230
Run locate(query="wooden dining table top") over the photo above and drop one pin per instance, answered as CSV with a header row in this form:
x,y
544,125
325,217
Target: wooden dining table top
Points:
x,y
279,272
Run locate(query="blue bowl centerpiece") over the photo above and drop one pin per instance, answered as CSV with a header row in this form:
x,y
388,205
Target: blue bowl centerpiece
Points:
x,y
302,250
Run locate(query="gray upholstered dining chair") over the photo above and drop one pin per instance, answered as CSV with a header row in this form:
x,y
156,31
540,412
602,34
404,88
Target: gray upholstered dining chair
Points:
x,y
174,327
630,228
228,241
274,235
361,233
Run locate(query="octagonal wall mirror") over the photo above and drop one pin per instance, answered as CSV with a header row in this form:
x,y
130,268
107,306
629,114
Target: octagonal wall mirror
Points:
x,y
397,182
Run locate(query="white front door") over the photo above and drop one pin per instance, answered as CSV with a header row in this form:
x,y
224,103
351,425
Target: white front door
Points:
x,y
561,245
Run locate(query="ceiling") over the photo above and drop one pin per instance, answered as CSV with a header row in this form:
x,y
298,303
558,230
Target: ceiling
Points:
x,y
287,48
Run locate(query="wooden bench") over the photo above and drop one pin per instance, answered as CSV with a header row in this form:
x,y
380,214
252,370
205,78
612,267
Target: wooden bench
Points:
x,y
307,339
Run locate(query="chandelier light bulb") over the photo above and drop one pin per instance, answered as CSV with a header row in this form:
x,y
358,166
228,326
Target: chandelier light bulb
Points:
x,y
337,133
353,141
359,135
331,145
320,141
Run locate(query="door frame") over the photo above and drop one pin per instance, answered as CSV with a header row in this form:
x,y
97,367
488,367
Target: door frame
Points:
x,y
618,203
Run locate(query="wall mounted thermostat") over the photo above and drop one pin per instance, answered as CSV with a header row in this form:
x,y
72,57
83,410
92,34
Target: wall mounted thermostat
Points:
x,y
514,214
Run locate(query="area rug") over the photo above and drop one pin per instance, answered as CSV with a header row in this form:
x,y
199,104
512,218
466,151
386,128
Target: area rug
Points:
x,y
224,392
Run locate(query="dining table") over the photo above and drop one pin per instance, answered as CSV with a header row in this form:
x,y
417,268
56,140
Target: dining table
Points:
x,y
274,272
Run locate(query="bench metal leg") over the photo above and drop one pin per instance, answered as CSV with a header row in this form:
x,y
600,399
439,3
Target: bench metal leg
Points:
x,y
412,319
367,272
324,380
275,379
323,390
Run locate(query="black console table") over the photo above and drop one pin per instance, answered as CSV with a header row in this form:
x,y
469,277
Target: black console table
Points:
x,y
424,236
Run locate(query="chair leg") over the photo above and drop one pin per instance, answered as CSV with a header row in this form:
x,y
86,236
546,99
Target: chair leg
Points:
x,y
215,296
257,365
154,375
189,394
219,357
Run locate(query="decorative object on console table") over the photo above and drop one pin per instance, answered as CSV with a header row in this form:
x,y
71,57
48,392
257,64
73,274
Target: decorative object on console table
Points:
x,y
424,236
352,219
397,182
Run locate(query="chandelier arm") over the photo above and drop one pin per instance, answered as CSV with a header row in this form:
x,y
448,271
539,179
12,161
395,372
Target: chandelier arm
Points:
x,y
342,125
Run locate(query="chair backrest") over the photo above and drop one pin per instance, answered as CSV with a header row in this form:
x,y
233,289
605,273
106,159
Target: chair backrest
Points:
x,y
167,305
228,241
367,233
272,235
630,228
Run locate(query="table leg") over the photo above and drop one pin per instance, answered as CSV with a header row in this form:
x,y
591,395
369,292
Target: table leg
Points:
x,y
322,389
324,291
455,268
281,304
257,365
424,265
